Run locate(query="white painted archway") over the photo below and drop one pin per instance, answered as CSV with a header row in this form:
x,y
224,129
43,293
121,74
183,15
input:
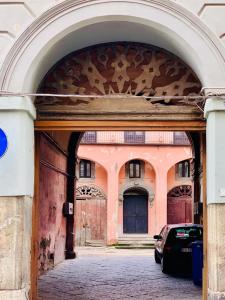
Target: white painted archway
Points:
x,y
73,25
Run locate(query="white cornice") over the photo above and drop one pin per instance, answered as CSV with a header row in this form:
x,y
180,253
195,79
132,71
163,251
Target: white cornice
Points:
x,y
18,104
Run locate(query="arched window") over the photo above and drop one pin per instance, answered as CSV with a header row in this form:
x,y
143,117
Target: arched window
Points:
x,y
135,169
183,168
85,168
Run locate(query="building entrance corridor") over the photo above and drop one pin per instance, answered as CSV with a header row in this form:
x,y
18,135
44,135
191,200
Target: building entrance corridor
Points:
x,y
68,67
88,276
116,82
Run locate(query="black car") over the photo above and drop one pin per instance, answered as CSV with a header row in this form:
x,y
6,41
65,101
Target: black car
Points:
x,y
173,247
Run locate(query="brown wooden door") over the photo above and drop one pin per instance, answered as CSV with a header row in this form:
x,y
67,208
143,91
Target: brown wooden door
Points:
x,y
90,220
179,210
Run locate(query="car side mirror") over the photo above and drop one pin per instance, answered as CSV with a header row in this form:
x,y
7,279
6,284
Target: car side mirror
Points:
x,y
157,237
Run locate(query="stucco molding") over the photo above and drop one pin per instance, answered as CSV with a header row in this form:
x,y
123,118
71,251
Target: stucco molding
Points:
x,y
62,10
139,185
180,191
89,191
214,104
13,103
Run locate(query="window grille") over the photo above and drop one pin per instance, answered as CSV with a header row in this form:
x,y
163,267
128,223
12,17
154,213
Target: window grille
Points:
x,y
134,137
134,169
180,138
183,169
85,168
90,137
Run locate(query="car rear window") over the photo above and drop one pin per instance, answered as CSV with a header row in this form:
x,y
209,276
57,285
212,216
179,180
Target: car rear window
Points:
x,y
185,234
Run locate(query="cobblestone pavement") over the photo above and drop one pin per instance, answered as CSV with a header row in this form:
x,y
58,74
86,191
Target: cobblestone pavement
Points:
x,y
108,274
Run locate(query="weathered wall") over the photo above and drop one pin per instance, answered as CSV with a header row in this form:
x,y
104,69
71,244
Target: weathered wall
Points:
x,y
90,220
52,223
159,174
15,233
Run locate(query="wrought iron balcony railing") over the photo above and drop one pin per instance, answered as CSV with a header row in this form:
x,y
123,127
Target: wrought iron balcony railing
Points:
x,y
135,138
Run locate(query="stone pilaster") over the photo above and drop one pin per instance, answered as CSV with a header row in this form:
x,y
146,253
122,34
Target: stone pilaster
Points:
x,y
16,192
112,206
161,202
215,114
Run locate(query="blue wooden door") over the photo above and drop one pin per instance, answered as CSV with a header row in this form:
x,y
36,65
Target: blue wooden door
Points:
x,y
135,214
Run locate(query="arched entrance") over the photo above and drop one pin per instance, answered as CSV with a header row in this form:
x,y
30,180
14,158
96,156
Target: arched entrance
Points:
x,y
116,82
135,72
135,211
174,29
179,205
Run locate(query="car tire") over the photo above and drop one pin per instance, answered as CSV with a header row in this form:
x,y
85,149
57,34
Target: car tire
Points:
x,y
157,260
164,265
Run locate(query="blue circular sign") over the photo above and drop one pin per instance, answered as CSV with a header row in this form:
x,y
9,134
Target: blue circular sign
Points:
x,y
3,143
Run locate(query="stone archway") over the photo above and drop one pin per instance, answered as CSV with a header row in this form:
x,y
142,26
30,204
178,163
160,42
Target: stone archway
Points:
x,y
48,38
117,80
194,43
139,186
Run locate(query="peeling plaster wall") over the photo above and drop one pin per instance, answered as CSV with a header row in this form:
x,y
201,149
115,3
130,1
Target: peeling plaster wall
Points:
x,y
52,223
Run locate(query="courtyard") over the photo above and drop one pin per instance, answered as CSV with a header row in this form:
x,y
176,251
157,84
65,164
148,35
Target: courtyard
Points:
x,y
107,273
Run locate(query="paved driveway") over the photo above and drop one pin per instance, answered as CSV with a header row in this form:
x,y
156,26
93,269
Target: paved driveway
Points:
x,y
107,274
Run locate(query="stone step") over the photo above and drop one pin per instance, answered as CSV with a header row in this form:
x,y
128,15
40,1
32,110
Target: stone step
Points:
x,y
120,246
95,243
135,242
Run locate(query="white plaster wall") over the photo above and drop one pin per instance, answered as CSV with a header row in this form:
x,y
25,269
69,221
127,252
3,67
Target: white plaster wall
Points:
x,y
17,164
17,15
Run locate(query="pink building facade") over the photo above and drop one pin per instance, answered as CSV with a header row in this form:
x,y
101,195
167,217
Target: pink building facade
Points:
x,y
131,184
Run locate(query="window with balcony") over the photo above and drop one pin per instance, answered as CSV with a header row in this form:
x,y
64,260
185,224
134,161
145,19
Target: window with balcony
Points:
x,y
90,137
85,168
183,169
134,137
180,138
134,169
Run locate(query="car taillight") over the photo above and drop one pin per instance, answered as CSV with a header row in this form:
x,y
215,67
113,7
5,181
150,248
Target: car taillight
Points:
x,y
167,248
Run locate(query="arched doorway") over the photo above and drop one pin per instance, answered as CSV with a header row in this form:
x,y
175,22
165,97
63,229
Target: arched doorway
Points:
x,y
135,211
192,37
90,215
112,82
136,10
179,205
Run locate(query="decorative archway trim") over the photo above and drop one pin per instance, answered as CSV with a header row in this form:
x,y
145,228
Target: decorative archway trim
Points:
x,y
89,191
38,40
180,191
137,185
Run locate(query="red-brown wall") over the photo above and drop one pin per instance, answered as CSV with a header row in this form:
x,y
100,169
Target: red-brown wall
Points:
x,y
52,195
